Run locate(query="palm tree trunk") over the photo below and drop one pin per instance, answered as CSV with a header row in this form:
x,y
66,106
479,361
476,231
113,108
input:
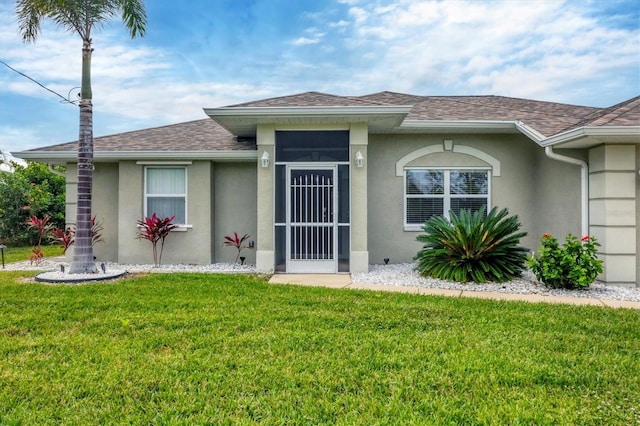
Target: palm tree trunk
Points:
x,y
83,251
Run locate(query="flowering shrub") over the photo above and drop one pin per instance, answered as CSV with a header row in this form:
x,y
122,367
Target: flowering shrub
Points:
x,y
155,230
575,264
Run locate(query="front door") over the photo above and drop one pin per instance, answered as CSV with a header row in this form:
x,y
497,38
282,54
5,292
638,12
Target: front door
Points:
x,y
311,234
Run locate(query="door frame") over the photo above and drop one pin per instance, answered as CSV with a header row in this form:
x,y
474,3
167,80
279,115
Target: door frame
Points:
x,y
328,266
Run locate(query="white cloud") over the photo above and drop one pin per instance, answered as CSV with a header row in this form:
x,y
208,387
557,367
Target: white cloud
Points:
x,y
339,24
14,139
315,37
544,49
358,14
304,41
170,101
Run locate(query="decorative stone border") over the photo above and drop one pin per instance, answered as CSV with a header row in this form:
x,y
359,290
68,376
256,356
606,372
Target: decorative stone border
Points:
x,y
54,277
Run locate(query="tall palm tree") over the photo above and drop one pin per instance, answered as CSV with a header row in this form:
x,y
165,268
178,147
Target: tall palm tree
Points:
x,y
81,16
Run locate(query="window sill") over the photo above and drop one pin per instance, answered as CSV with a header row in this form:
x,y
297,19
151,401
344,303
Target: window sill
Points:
x,y
413,228
178,228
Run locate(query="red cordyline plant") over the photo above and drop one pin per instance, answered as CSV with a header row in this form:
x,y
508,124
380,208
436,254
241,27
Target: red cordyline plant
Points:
x,y
42,227
155,230
236,241
66,237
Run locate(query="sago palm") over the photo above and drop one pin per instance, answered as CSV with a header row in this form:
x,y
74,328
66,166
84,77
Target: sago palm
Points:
x,y
472,247
81,16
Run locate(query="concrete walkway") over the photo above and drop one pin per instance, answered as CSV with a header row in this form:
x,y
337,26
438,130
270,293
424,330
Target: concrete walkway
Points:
x,y
344,281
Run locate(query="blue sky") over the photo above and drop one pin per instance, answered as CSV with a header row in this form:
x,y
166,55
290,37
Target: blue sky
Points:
x,y
211,53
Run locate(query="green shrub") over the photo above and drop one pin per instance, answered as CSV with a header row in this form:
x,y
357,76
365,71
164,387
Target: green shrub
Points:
x,y
472,247
29,191
575,264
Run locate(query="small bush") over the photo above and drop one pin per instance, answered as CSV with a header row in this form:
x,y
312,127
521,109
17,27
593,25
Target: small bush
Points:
x,y
155,230
573,265
42,227
236,241
472,247
67,237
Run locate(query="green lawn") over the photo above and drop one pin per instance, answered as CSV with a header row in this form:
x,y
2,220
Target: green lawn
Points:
x,y
17,254
231,349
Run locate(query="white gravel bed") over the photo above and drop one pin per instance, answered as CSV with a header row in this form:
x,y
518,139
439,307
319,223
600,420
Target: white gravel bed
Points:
x,y
52,265
403,274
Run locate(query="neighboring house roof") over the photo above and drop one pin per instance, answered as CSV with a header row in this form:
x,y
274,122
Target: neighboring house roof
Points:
x,y
229,134
8,162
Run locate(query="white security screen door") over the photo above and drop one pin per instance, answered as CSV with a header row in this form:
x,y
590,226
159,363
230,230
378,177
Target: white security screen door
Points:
x,y
312,201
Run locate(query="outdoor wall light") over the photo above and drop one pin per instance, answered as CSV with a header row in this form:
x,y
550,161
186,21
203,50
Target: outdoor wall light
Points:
x,y
264,160
359,159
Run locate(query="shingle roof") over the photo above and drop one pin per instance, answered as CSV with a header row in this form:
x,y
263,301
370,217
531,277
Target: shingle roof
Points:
x,y
308,99
626,113
548,118
199,135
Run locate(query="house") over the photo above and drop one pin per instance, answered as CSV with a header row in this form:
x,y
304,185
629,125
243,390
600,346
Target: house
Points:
x,y
332,184
8,162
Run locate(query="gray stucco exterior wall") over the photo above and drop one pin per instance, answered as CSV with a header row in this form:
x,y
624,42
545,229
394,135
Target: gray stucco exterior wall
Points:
x,y
104,204
557,196
221,199
235,208
224,197
537,189
105,209
190,245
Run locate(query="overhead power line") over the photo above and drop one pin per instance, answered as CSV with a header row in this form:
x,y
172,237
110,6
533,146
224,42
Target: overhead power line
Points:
x,y
64,100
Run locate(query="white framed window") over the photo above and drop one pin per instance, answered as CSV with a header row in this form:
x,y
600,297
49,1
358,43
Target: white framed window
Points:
x,y
430,192
165,192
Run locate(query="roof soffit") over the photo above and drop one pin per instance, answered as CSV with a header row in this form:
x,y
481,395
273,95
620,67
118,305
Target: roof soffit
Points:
x,y
243,121
589,136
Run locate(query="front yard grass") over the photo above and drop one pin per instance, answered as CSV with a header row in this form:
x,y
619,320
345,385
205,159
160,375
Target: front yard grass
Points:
x,y
17,254
232,349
